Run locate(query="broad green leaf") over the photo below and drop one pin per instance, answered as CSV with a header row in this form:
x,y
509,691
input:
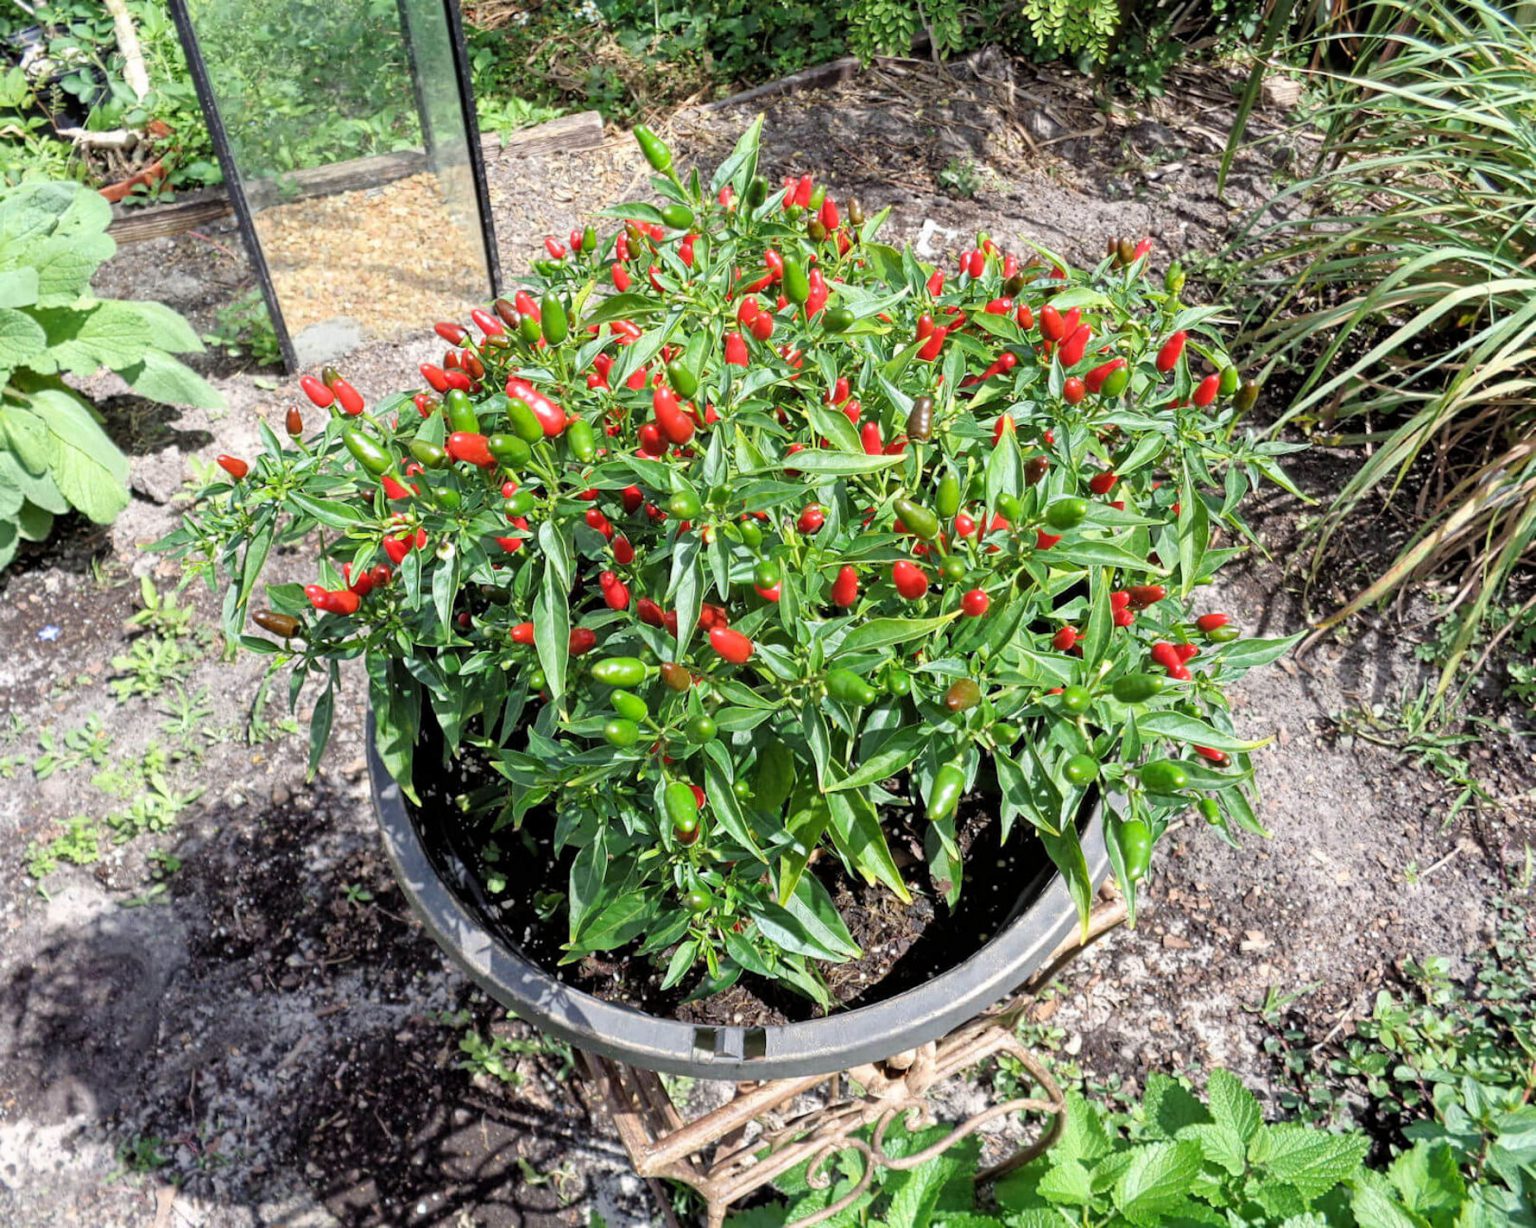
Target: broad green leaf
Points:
x,y
160,377
893,755
1191,730
883,632
1156,1181
21,338
621,920
1232,1105
1313,1161
18,287
857,834
86,466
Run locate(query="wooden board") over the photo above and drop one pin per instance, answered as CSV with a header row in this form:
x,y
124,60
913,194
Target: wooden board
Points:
x,y
569,132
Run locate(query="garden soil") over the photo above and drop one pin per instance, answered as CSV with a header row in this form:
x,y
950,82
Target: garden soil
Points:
x,y
228,1019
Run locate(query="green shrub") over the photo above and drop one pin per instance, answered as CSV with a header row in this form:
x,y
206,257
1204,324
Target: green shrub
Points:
x,y
54,455
1403,293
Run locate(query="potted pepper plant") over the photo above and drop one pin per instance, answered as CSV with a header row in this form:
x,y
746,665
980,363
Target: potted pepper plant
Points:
x,y
746,595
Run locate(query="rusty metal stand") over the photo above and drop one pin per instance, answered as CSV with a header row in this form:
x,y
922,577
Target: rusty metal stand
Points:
x,y
763,1132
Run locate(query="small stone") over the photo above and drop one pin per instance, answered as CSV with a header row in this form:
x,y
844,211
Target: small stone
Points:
x,y
1174,943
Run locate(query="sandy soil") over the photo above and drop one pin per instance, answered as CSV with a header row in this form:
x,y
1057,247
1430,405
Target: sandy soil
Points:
x,y
287,1040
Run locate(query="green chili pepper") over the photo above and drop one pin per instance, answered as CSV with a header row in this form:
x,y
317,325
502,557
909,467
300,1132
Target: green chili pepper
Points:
x,y
1136,688
837,319
681,806
1066,513
428,455
629,705
1116,382
797,286
1081,769
619,732
1163,775
1247,395
1075,699
654,149
528,329
767,573
553,319
919,521
757,192
589,239
1230,382
702,729
460,411
1005,733
678,217
510,450
523,421
581,441
519,502
684,382
847,687
944,796
1135,840
751,535
962,695
619,671
946,502
367,452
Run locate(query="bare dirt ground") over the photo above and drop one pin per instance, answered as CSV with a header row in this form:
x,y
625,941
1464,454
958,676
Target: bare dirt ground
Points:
x,y
256,1033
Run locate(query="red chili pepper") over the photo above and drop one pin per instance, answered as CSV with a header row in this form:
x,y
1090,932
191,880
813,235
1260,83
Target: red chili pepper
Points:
x,y
1186,652
1209,622
711,615
651,441
1143,595
233,465
674,423
436,378
964,525
1044,540
633,499
1052,327
1124,618
975,603
556,252
1103,483
623,552
732,645
1142,248
869,436
812,517
348,397
551,417
318,393
615,591
1163,653
1065,639
1075,346
1073,390
910,579
486,323
1024,316
1215,756
394,490
453,334
845,589
650,613
934,344
829,215
457,379
685,250
1168,356
999,307
581,639
817,299
936,283
772,593
1095,378
293,421
470,447
1207,390
596,520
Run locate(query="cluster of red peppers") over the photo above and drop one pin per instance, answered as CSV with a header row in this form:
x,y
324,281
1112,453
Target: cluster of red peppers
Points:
x,y
736,462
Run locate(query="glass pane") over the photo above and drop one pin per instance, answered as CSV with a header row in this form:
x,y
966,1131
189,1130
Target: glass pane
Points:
x,y
348,133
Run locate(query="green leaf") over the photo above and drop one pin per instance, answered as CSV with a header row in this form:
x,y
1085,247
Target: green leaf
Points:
x,y
1156,1180
1233,1106
18,287
618,922
1375,1205
1067,1184
821,462
552,622
858,836
396,700
1312,1160
21,339
894,754
169,329
160,377
813,908
1249,654
1429,1180
65,266
1170,1106
1103,554
85,465
1181,728
320,724
883,632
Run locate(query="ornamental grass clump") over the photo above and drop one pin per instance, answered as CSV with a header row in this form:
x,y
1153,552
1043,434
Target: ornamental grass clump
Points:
x,y
741,546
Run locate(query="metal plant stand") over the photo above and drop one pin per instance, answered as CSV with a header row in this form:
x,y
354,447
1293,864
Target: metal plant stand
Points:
x,y
768,1128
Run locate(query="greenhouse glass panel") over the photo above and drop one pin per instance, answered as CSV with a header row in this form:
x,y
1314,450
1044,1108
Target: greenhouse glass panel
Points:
x,y
348,139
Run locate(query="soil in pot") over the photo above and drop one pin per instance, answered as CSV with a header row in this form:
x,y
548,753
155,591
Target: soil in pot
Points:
x,y
904,945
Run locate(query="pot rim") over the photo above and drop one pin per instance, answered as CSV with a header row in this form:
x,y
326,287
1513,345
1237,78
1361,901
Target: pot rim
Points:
x,y
793,1050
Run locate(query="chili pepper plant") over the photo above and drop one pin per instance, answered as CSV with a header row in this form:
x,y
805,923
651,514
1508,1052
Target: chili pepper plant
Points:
x,y
739,541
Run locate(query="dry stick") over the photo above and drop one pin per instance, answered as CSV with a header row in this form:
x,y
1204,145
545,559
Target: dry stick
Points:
x,y
134,72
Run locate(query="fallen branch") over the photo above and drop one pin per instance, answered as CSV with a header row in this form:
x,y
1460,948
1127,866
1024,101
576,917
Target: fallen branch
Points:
x,y
134,73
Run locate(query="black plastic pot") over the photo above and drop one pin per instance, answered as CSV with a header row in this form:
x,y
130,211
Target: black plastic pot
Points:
x,y
817,1046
